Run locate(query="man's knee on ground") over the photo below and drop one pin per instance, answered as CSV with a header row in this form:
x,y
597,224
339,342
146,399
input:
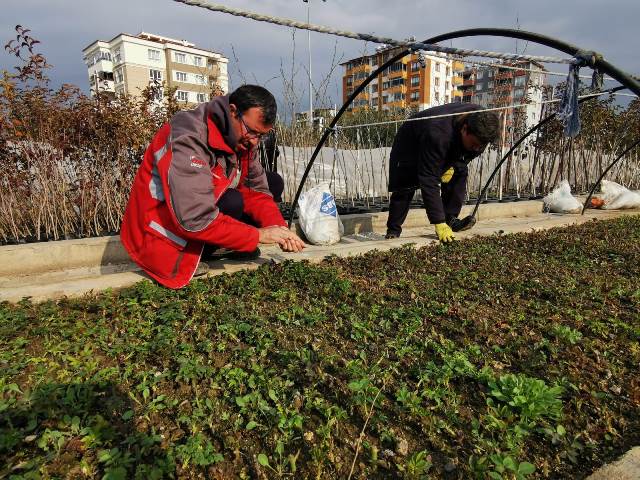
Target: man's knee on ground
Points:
x,y
231,203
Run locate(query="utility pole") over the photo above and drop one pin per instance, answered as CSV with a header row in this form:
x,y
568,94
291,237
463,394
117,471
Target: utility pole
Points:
x,y
308,2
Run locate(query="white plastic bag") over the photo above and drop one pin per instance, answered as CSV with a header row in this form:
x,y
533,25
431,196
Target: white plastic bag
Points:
x,y
561,200
318,216
617,197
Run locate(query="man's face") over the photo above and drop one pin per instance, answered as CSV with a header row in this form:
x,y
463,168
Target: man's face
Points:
x,y
249,126
470,142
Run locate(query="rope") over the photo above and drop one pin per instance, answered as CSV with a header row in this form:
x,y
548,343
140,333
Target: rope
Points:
x,y
372,38
518,105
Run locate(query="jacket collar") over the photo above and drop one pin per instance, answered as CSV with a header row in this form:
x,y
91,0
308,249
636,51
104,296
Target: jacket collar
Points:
x,y
221,135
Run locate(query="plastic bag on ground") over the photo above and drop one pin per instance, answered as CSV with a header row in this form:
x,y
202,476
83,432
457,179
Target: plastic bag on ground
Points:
x,y
318,216
617,197
560,200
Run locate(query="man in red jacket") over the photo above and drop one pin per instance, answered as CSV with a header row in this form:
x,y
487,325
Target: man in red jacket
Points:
x,y
201,185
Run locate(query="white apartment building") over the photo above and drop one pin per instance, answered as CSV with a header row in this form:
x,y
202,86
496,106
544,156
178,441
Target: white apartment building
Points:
x,y
127,64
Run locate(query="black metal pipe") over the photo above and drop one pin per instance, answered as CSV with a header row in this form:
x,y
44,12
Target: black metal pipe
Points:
x,y
330,128
599,63
593,189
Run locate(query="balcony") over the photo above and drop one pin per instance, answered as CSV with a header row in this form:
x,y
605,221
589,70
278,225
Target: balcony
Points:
x,y
364,67
455,80
504,75
503,87
457,66
469,82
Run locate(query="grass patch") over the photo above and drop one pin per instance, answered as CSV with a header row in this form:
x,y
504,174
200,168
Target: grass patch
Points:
x,y
502,357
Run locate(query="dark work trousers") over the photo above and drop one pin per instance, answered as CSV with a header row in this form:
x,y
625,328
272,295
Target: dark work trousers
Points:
x,y
400,201
232,204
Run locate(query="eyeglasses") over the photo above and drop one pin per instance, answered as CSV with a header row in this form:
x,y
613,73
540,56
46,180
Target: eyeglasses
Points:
x,y
251,132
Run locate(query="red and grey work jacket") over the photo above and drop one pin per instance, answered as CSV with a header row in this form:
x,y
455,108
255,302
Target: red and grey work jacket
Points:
x,y
172,209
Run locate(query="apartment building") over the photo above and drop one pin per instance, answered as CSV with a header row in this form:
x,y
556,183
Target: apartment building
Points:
x,y
512,83
417,81
127,64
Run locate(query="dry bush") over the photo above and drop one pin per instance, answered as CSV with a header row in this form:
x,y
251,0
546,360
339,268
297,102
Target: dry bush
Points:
x,y
67,160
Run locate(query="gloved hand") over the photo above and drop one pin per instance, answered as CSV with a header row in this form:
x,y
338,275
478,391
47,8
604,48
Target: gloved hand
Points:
x,y
445,234
446,176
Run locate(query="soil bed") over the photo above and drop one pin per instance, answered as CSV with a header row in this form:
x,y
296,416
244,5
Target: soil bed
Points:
x,y
499,357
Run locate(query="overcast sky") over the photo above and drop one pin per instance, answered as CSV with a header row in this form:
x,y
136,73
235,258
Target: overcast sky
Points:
x,y
260,52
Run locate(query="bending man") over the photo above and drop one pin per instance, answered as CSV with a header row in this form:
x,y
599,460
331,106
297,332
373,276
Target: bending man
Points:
x,y
432,155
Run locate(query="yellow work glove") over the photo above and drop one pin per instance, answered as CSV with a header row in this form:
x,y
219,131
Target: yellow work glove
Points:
x,y
445,234
446,176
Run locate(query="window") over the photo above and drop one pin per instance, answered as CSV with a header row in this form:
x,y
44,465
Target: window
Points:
x,y
398,67
519,81
200,79
478,87
436,81
436,97
202,97
437,67
118,75
479,74
153,54
181,77
158,93
446,85
446,99
155,75
518,92
415,80
117,56
197,61
180,57
415,96
415,66
385,99
182,96
491,84
490,73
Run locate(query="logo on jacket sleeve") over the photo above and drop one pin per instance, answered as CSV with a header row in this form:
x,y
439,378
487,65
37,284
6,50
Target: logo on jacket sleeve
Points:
x,y
197,163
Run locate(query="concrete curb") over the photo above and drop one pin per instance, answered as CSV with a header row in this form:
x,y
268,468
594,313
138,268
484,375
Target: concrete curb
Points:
x,y
75,282
39,258
625,468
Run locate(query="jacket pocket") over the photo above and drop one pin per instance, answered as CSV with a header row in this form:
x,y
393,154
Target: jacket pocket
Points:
x,y
220,181
162,250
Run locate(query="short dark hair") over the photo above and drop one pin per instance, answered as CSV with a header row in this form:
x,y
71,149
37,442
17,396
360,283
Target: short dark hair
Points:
x,y
249,96
484,125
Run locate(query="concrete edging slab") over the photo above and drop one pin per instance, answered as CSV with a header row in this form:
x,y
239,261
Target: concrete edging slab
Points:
x,y
38,258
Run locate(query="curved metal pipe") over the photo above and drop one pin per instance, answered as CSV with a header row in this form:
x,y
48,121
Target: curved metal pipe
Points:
x,y
593,189
521,139
604,66
330,128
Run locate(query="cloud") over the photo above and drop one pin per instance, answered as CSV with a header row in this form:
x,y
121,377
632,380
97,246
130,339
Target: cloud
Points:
x,y
259,51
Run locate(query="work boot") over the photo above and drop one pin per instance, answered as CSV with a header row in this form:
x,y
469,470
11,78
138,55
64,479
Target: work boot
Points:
x,y
225,253
391,235
458,225
201,270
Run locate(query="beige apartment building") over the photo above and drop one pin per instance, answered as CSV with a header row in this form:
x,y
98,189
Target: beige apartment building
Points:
x,y
127,64
407,83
